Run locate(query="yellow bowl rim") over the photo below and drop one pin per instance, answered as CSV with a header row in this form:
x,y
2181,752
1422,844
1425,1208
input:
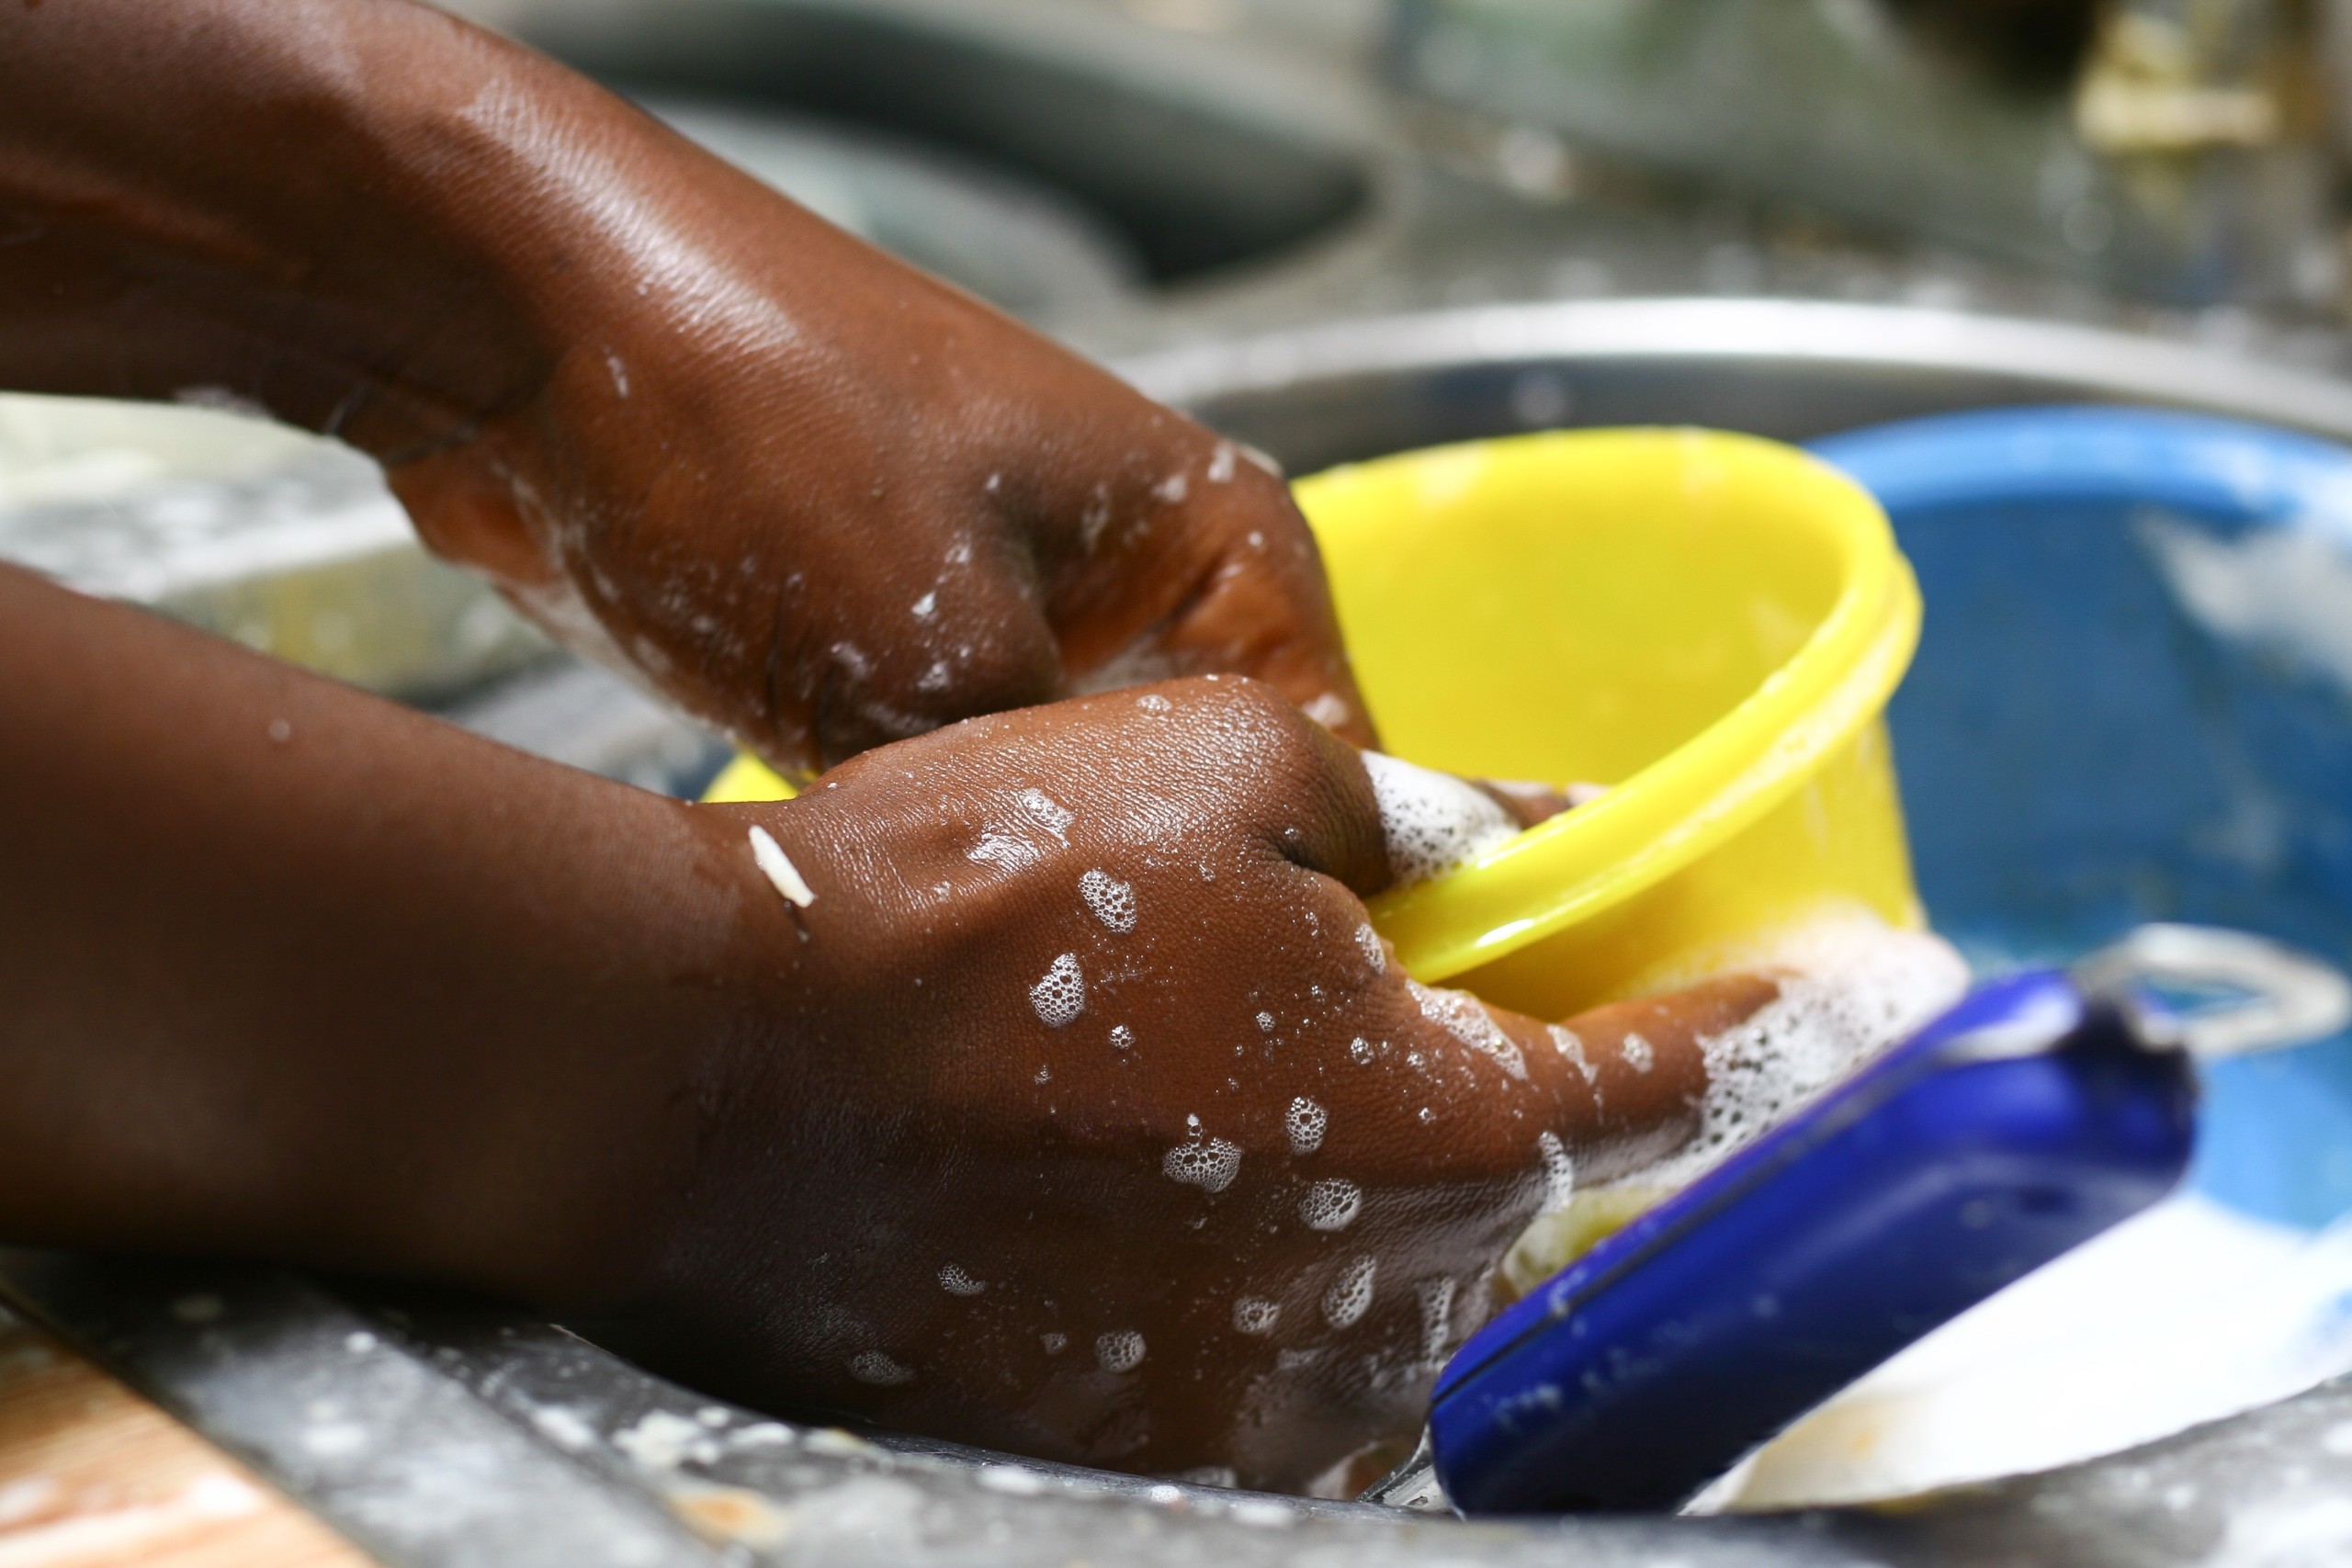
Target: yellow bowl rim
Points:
x,y
1710,787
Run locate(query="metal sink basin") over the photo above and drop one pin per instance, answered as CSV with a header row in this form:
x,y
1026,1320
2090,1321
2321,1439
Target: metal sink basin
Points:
x,y
1198,159
495,1439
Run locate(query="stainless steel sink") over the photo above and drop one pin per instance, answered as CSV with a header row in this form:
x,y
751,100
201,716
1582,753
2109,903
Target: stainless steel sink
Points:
x,y
497,1439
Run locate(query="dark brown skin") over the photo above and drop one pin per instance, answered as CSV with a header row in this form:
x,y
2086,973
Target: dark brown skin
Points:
x,y
288,972
822,500
294,974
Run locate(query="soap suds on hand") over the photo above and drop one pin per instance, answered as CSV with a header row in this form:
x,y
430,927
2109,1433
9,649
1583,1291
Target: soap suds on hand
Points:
x,y
1433,821
778,867
1851,986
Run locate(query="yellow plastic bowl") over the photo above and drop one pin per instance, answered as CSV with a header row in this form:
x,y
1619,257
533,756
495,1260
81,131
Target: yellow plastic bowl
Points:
x,y
1711,624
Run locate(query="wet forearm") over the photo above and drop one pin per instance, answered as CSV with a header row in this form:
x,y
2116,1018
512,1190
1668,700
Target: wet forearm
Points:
x,y
325,207
285,971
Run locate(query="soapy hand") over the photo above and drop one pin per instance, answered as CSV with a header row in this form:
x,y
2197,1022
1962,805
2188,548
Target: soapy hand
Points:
x,y
1118,1135
821,500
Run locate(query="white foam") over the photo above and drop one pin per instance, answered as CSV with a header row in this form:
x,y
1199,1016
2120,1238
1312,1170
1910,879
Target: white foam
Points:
x,y
1850,986
1111,901
1436,1300
1361,1049
1121,1350
1331,1204
1348,1296
1255,1314
956,1283
1637,1052
1463,1016
1368,942
778,867
1054,1343
1121,1037
874,1367
1265,1023
1433,821
1559,1171
1305,1121
1060,997
1565,1041
1209,1164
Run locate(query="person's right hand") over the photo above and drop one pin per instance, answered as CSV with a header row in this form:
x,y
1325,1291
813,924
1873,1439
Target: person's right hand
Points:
x,y
1101,1126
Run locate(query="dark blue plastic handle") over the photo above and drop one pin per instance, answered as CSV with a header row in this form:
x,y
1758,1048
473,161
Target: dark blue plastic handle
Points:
x,y
2021,1123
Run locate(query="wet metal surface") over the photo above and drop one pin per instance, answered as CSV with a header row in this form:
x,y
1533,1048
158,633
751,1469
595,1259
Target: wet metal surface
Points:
x,y
445,1439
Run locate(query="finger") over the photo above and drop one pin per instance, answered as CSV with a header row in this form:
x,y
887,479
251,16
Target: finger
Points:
x,y
1229,580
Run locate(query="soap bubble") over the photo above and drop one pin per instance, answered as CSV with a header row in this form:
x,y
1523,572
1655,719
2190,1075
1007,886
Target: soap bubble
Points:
x,y
1433,821
1348,1296
1060,997
1330,1205
1121,1350
1210,1165
1255,1314
1559,1171
1111,901
1461,1015
1305,1121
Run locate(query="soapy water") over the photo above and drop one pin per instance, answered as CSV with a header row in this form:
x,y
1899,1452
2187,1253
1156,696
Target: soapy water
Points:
x,y
2183,1314
1432,821
1461,1015
1850,986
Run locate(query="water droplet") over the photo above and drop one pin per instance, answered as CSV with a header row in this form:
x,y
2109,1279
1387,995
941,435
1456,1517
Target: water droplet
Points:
x,y
1046,812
